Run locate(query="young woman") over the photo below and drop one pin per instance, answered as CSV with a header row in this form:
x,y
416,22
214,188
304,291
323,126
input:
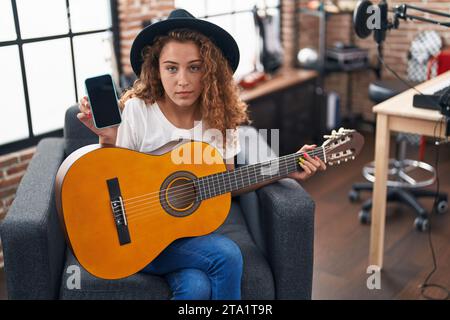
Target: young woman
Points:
x,y
185,80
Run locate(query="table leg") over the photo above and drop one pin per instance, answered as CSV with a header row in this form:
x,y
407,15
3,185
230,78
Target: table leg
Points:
x,y
379,191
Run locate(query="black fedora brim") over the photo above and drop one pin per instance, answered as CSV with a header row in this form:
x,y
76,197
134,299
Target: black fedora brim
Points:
x,y
221,38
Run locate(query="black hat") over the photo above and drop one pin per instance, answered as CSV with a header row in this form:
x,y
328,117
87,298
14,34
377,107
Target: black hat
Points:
x,y
180,18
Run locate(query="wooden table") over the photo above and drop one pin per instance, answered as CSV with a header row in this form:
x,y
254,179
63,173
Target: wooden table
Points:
x,y
280,81
397,114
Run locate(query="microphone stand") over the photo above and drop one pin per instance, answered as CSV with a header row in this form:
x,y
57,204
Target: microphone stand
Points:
x,y
400,13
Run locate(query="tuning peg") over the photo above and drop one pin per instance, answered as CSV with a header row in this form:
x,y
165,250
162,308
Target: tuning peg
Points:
x,y
339,162
332,136
345,159
353,158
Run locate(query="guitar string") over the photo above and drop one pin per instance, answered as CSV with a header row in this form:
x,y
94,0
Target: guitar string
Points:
x,y
148,211
127,201
190,195
138,212
178,191
188,186
250,176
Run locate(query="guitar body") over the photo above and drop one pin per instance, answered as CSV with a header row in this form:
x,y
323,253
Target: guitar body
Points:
x,y
157,196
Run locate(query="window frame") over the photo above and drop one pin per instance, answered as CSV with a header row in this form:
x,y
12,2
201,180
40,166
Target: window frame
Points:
x,y
34,139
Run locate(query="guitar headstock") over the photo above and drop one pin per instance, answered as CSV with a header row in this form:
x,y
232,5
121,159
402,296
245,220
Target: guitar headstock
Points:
x,y
342,145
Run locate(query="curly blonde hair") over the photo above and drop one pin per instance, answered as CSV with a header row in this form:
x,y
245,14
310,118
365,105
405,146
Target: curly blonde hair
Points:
x,y
221,106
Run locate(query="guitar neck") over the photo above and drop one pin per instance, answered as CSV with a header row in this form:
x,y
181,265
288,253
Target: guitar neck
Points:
x,y
246,176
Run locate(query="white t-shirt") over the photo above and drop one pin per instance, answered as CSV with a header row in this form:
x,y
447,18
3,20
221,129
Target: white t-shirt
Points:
x,y
145,128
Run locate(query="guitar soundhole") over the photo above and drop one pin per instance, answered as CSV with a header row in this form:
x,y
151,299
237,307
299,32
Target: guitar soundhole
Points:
x,y
178,194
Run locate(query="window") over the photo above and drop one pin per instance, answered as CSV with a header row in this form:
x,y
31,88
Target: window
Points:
x,y
13,120
42,18
50,82
44,58
234,16
7,29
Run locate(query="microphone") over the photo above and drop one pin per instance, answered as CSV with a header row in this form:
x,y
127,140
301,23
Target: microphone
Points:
x,y
380,33
368,17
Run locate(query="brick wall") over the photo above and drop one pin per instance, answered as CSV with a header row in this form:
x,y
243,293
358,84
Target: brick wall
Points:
x,y
132,13
289,37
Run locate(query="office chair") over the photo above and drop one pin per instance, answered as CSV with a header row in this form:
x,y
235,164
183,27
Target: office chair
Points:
x,y
401,186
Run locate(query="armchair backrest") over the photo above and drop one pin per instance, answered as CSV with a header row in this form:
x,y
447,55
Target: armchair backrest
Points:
x,y
254,147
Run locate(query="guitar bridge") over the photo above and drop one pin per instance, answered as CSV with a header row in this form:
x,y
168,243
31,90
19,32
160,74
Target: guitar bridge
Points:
x,y
118,211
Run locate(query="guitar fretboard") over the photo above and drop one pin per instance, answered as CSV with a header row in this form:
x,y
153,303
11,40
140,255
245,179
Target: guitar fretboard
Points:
x,y
242,177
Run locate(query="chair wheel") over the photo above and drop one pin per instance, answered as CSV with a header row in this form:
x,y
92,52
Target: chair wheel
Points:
x,y
421,224
353,195
442,206
364,216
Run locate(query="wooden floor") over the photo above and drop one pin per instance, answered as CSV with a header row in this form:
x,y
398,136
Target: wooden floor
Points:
x,y
342,243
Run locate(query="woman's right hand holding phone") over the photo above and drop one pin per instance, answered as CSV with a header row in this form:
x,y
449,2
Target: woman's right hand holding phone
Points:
x,y
106,135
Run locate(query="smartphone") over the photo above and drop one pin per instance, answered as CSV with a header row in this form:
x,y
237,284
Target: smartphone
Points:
x,y
103,99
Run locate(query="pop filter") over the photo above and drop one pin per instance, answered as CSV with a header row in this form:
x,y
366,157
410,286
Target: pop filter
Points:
x,y
360,17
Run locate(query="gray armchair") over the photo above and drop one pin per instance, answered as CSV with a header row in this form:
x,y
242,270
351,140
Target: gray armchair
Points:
x,y
273,227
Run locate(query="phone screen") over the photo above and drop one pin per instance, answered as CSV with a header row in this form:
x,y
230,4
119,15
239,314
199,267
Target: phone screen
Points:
x,y
103,100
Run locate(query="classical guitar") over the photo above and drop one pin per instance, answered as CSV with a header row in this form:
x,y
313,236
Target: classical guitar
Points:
x,y
120,208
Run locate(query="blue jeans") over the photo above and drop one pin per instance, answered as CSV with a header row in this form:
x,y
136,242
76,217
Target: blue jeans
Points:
x,y
201,268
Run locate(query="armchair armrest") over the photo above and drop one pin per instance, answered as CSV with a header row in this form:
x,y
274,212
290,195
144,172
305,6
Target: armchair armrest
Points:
x,y
287,225
33,242
280,218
